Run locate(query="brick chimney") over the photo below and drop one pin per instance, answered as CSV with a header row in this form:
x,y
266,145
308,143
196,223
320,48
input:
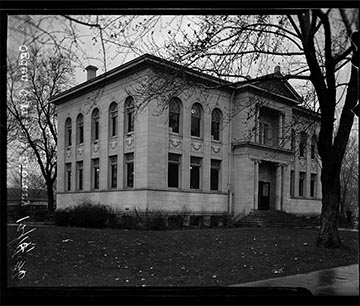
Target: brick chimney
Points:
x,y
277,69
91,72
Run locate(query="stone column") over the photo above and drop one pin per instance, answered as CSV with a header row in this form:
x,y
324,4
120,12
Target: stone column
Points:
x,y
278,187
281,120
256,184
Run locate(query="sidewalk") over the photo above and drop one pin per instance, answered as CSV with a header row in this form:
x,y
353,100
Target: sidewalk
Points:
x,y
337,281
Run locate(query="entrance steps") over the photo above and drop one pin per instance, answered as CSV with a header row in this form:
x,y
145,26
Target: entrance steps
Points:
x,y
276,218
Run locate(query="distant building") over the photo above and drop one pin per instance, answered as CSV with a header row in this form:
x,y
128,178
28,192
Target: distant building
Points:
x,y
36,197
229,148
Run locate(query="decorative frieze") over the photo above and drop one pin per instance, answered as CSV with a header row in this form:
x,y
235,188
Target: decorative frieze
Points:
x,y
95,147
68,153
175,142
129,143
113,144
302,164
215,148
313,165
79,151
196,146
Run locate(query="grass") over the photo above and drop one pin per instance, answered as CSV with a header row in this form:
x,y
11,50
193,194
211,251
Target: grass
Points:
x,y
66,256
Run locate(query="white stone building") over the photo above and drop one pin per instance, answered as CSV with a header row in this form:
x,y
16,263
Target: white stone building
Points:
x,y
212,147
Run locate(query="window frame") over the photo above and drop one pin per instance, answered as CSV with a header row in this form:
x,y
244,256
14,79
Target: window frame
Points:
x,y
302,184
68,176
129,160
313,178
129,115
195,163
113,119
175,161
113,168
215,165
196,121
80,129
302,144
95,125
175,114
95,183
214,123
68,132
80,175
313,147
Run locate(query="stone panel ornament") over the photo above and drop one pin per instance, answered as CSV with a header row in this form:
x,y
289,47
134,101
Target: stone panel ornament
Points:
x,y
216,149
196,146
96,147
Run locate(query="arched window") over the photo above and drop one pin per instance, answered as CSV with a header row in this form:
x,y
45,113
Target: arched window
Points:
x,y
313,146
95,125
113,119
80,129
129,115
174,115
68,129
216,123
303,140
196,114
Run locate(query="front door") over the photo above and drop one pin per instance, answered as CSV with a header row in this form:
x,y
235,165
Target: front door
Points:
x,y
264,196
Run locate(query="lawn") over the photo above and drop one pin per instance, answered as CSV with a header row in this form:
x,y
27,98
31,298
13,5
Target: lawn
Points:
x,y
66,256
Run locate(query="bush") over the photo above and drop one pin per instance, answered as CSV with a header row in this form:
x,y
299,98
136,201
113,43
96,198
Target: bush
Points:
x,y
62,217
158,222
175,221
88,214
128,222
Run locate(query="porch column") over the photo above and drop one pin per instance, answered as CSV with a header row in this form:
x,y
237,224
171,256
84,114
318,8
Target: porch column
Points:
x,y
256,183
281,124
278,187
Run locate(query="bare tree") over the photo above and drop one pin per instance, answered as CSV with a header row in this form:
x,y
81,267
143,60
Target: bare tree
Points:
x,y
349,175
48,73
313,44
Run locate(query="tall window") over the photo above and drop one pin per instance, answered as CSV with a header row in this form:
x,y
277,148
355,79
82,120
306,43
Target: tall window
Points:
x,y
215,174
313,147
196,114
80,174
113,171
264,133
95,125
129,169
80,129
113,119
95,173
312,185
129,115
292,183
68,176
68,130
302,148
293,137
195,166
174,115
215,123
302,184
174,161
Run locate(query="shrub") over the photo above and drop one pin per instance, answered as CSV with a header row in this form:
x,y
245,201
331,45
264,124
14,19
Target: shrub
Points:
x,y
157,222
175,221
62,217
128,222
196,221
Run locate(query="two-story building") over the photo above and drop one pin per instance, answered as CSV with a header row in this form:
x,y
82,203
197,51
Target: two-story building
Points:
x,y
154,135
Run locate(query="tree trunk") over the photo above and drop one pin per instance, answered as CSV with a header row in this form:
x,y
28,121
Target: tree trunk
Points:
x,y
329,235
50,196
